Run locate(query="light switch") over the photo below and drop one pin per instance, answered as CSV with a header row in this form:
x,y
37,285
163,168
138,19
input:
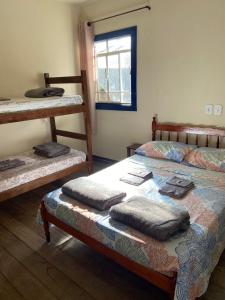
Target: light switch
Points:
x,y
218,110
209,109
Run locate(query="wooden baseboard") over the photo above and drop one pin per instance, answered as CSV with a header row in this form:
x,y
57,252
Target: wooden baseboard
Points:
x,y
104,159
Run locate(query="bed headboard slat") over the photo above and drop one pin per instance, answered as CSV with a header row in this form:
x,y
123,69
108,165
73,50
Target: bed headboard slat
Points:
x,y
207,141
196,139
187,136
218,142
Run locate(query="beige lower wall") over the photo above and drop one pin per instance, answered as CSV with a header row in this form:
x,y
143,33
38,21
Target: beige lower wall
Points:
x,y
36,36
181,67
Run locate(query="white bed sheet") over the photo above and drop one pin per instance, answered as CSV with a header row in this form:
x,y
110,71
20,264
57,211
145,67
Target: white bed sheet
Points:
x,y
29,104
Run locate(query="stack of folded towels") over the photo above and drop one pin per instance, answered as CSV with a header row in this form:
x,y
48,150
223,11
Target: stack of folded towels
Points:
x,y
10,164
51,150
177,187
159,220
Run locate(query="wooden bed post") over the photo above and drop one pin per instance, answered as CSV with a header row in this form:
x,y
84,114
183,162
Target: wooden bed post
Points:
x,y
87,120
52,119
45,221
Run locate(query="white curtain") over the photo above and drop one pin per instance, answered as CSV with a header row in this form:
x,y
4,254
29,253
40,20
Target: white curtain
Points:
x,y
87,62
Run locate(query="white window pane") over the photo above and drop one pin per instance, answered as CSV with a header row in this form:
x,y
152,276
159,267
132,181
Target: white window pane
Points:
x,y
103,97
125,60
126,98
101,74
101,62
113,61
125,63
100,47
113,73
114,97
119,44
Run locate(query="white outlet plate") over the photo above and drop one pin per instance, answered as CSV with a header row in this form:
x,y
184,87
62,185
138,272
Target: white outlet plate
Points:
x,y
218,110
209,109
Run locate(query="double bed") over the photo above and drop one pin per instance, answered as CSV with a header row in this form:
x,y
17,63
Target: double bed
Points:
x,y
182,265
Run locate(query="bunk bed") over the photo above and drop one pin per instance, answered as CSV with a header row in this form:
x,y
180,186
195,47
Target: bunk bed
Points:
x,y
39,171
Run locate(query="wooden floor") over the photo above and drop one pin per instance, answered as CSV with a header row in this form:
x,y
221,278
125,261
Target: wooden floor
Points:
x,y
66,269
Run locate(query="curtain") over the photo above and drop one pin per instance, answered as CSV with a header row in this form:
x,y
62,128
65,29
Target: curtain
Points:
x,y
87,62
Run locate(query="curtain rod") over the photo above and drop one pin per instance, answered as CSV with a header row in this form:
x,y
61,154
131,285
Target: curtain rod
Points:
x,y
127,12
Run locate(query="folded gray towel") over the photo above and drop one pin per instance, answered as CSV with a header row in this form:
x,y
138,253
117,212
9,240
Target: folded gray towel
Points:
x,y
45,92
159,220
94,194
51,149
174,191
10,164
182,182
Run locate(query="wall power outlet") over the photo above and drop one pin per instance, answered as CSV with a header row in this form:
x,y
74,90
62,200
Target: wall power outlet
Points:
x,y
218,110
209,109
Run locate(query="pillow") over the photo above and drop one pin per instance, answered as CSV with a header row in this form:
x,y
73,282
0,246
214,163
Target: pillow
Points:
x,y
166,150
207,158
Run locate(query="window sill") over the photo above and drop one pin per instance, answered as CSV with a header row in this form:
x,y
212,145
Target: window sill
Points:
x,y
114,106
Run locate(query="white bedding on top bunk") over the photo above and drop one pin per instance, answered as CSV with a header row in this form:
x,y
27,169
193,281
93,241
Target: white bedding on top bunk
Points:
x,y
29,104
36,167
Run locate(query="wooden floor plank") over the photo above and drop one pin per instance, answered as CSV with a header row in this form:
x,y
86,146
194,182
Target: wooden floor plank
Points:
x,y
55,281
214,292
72,268
7,291
23,281
26,212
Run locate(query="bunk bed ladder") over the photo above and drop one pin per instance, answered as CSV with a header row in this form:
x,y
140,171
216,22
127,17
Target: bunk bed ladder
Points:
x,y
86,114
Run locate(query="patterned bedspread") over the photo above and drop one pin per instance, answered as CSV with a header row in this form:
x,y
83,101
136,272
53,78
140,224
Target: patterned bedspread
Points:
x,y
36,167
29,104
192,254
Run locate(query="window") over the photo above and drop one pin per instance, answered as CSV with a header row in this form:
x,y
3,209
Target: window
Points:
x,y
116,70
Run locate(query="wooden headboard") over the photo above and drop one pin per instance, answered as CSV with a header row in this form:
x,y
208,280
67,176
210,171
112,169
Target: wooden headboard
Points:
x,y
187,130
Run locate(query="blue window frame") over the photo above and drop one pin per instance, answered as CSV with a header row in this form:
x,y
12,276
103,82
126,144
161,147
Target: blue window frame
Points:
x,y
116,70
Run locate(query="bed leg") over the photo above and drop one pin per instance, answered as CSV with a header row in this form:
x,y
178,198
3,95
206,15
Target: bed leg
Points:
x,y
171,295
173,287
90,167
47,232
45,222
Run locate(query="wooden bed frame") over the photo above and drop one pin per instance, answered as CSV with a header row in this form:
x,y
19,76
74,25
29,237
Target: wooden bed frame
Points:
x,y
164,282
52,113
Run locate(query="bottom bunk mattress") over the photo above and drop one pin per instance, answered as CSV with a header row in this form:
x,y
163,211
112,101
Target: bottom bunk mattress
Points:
x,y
192,254
36,167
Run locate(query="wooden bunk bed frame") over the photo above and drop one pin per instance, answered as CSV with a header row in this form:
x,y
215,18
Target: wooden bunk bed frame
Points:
x,y
164,282
52,113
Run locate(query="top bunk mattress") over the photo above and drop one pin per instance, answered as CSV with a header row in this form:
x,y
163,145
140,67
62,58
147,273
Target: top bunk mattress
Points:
x,y
30,104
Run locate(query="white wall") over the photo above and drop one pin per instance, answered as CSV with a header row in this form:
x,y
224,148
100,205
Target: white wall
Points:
x,y
36,36
181,67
